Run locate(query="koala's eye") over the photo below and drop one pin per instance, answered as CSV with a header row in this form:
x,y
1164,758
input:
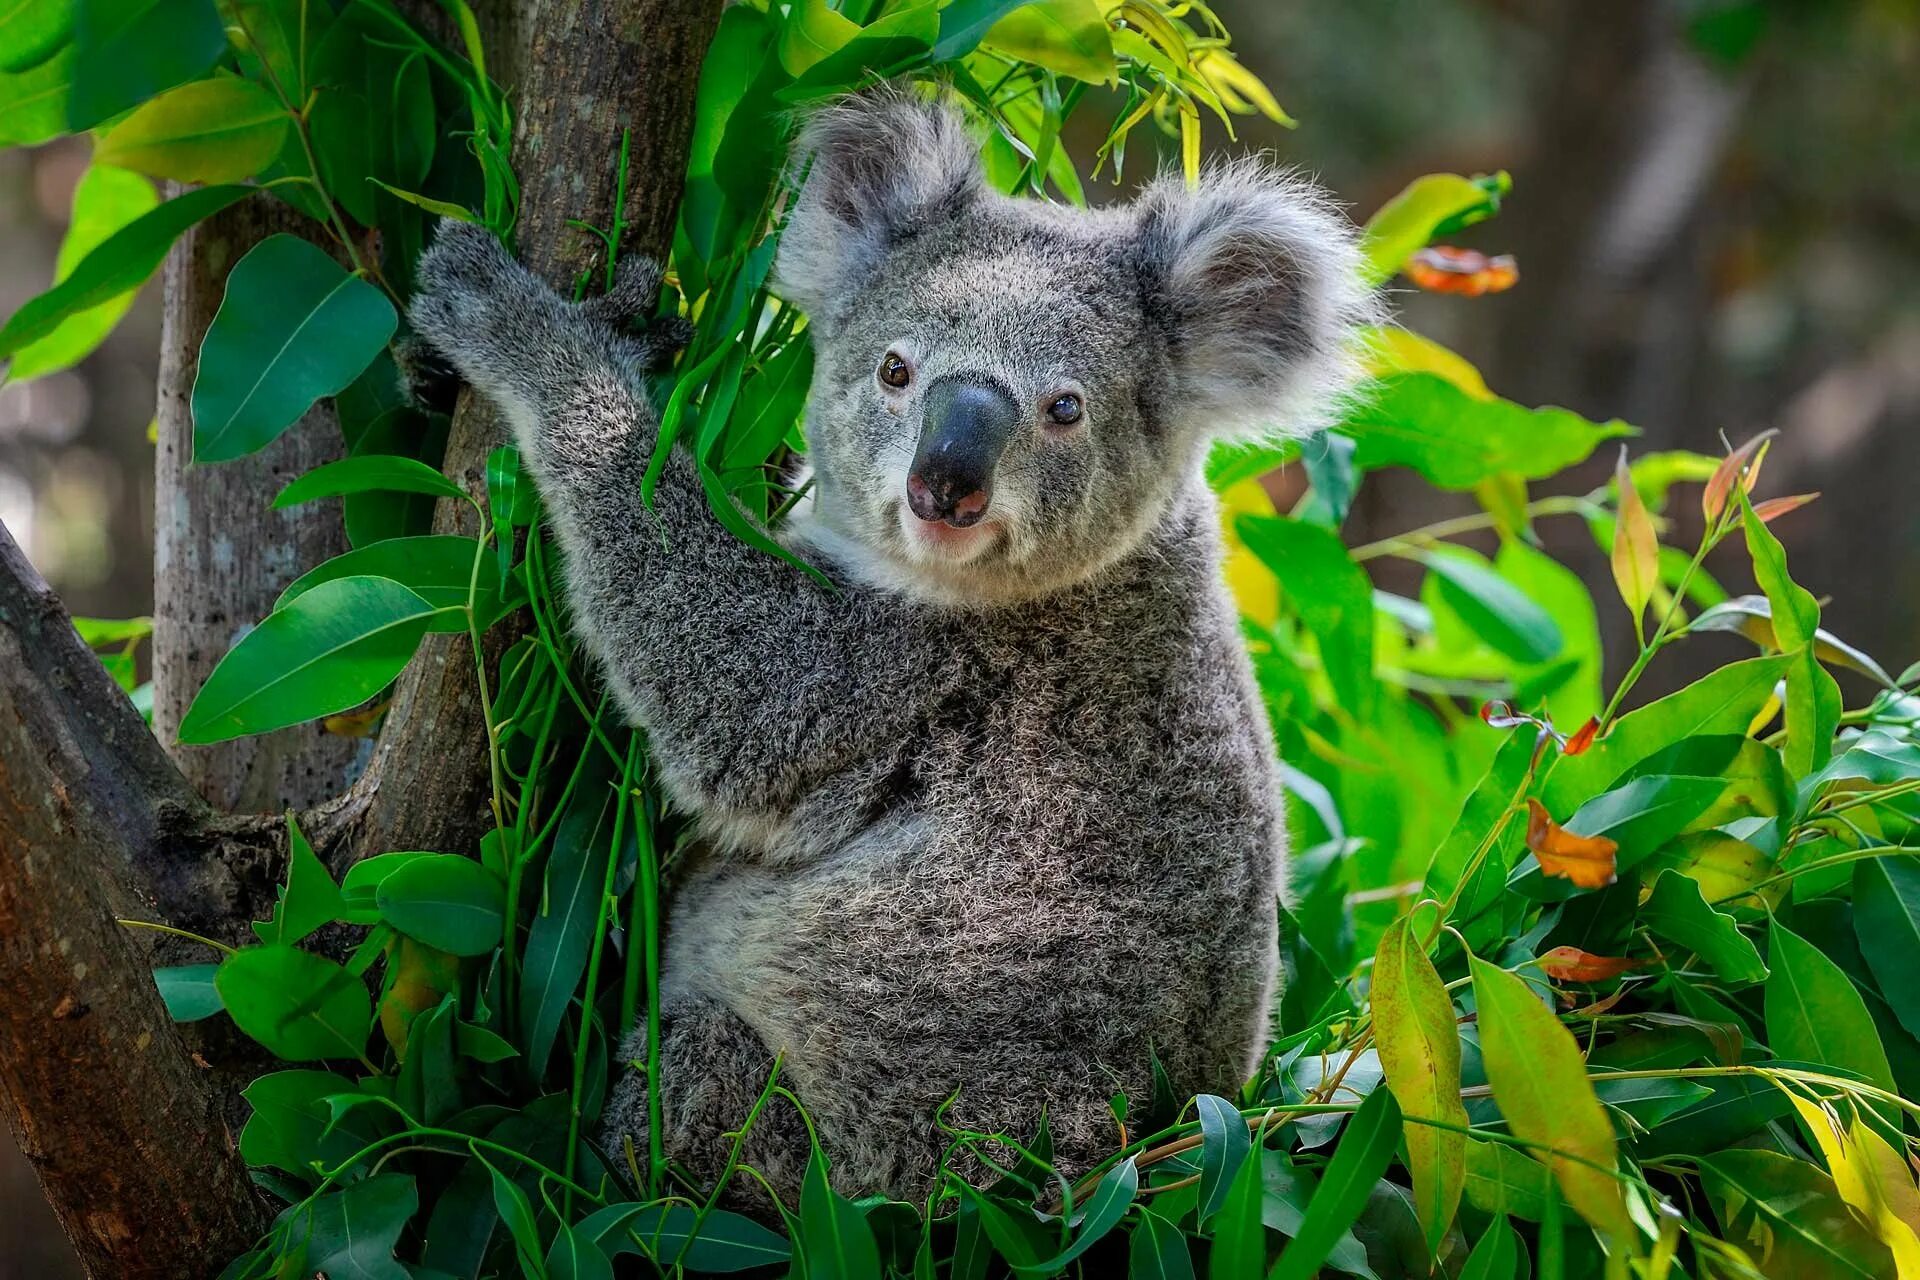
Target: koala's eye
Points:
x,y
894,371
1065,410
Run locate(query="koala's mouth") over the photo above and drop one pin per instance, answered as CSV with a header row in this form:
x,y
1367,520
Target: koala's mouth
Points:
x,y
937,541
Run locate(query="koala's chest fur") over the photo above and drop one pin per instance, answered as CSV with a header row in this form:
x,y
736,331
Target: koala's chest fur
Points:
x,y
1076,850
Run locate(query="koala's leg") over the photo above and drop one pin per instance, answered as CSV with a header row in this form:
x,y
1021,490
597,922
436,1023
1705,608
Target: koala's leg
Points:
x,y
713,1069
750,677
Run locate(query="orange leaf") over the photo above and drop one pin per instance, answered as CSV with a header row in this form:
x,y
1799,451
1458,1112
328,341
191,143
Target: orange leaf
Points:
x,y
1773,507
1467,272
1583,737
1733,467
1588,861
1571,964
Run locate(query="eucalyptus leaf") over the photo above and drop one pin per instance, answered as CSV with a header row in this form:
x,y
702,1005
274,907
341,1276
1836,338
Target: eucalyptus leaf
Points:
x,y
294,326
327,651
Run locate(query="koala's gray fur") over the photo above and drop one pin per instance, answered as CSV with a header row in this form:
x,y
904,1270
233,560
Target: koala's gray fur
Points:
x,y
998,819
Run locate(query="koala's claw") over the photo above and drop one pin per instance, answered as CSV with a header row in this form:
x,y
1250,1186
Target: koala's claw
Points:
x,y
427,378
636,288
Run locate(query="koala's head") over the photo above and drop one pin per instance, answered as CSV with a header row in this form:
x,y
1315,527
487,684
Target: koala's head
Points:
x,y
1008,393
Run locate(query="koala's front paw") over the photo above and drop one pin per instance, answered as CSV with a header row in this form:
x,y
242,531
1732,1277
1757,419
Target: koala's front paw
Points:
x,y
470,294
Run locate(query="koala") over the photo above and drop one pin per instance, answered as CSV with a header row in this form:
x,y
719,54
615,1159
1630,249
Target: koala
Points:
x,y
993,821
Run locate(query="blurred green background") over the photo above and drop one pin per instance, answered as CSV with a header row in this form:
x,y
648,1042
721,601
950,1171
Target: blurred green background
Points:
x,y
1716,212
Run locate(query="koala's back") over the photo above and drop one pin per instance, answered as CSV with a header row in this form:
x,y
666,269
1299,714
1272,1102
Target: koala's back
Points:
x,y
1073,863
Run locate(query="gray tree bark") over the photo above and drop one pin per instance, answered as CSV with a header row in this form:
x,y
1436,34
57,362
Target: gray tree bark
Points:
x,y
221,554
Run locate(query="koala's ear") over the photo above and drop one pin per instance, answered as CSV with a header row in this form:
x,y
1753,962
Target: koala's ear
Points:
x,y
1255,279
879,166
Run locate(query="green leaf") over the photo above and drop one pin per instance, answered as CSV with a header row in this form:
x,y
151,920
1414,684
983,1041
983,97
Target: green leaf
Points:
x,y
1501,1179
1158,1250
309,898
188,991
834,1234
449,902
31,31
1332,595
274,38
1723,702
726,1243
517,1212
1677,911
367,473
104,201
1813,1013
353,1233
813,31
1496,610
571,1257
1573,695
1237,1229
120,263
1886,919
1423,421
1408,223
126,51
1111,1198
1752,617
1419,1043
1813,697
33,102
328,651
964,23
300,1006
1362,1156
1540,1081
440,568
1223,1148
373,117
219,130
1496,1256
1289,1193
1066,36
1791,1218
294,326
562,933
292,1126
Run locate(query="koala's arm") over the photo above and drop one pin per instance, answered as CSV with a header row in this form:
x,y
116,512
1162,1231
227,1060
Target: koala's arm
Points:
x,y
749,676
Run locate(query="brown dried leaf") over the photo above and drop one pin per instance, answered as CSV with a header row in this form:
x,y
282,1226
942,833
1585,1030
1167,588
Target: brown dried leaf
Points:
x,y
1571,964
1588,861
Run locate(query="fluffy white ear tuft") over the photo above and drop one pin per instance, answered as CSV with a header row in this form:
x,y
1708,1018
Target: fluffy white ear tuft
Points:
x,y
879,166
1255,277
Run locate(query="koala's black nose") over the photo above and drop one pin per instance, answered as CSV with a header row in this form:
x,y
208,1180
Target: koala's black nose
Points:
x,y
967,422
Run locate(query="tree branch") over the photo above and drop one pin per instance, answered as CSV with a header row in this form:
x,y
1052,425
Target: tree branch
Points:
x,y
127,1134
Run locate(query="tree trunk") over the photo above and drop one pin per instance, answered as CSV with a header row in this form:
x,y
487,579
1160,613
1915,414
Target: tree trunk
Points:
x,y
126,1127
221,554
124,1130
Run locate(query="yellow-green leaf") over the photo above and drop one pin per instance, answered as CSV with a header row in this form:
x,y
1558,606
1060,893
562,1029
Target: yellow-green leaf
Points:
x,y
1540,1081
1419,1043
1067,36
219,130
104,201
1636,548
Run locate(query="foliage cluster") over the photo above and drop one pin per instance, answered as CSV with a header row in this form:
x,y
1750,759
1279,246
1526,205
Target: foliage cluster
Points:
x,y
1572,990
